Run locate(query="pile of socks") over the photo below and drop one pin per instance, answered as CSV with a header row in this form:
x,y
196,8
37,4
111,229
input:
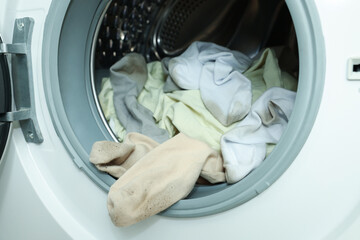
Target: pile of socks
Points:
x,y
209,114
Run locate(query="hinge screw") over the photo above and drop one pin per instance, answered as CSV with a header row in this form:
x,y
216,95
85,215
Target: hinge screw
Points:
x,y
31,135
20,26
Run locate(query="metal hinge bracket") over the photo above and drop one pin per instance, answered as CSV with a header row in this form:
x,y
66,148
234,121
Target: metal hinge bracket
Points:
x,y
22,80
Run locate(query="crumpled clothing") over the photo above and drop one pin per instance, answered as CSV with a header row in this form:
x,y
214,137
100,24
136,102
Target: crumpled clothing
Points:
x,y
180,111
106,100
244,147
128,77
265,73
184,110
217,72
153,176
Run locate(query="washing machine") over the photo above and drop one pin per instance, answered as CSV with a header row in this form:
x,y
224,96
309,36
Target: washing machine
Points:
x,y
52,55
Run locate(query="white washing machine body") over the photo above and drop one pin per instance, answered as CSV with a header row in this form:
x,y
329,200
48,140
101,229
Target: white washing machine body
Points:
x,y
44,195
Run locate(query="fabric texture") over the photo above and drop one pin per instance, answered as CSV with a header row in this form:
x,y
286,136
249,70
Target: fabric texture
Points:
x,y
128,77
116,158
180,111
106,100
193,99
265,73
217,72
244,147
184,111
157,175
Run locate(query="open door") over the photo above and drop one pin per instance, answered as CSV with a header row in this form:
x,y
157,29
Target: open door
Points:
x,y
5,100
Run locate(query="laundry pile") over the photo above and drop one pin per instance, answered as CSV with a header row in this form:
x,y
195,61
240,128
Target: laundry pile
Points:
x,y
211,114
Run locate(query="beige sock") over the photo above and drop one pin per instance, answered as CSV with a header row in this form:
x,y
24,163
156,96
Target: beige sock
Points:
x,y
116,158
160,178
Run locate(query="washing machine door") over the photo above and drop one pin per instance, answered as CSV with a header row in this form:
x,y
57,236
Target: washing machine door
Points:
x,y
5,101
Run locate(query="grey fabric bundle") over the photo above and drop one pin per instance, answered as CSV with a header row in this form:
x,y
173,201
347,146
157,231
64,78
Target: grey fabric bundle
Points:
x,y
128,77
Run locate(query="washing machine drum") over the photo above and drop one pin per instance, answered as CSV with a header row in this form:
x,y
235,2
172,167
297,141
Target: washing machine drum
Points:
x,y
163,28
96,35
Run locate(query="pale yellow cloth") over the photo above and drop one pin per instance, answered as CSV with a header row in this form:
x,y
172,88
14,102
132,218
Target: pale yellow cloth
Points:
x,y
265,73
157,176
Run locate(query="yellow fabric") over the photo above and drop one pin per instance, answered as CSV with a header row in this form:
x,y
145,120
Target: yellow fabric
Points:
x,y
265,73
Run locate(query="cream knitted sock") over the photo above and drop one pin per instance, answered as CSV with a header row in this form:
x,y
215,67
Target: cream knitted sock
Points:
x,y
156,176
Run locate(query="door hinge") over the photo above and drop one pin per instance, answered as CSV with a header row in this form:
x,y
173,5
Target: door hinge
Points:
x,y
22,80
17,48
21,114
